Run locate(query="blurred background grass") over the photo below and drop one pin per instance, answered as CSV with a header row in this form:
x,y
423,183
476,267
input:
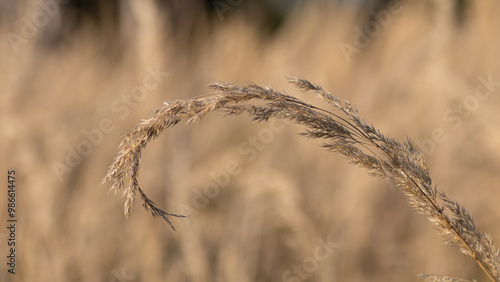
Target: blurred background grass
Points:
x,y
68,67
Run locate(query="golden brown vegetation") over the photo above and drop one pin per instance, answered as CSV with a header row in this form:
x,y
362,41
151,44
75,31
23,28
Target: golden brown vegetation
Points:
x,y
279,195
351,136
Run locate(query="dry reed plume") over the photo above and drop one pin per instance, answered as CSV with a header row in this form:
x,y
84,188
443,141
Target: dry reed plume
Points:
x,y
342,131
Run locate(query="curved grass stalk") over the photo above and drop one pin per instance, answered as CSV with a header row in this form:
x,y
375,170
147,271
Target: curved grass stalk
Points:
x,y
342,130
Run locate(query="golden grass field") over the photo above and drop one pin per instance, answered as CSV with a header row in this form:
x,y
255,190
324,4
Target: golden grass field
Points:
x,y
277,194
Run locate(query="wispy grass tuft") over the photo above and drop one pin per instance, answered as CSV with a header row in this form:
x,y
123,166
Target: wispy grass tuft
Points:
x,y
342,131
441,278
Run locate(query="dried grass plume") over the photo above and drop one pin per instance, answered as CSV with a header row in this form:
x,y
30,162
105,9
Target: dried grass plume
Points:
x,y
341,129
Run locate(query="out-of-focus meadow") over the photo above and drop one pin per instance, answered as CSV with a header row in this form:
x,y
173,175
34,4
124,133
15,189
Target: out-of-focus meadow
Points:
x,y
265,204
